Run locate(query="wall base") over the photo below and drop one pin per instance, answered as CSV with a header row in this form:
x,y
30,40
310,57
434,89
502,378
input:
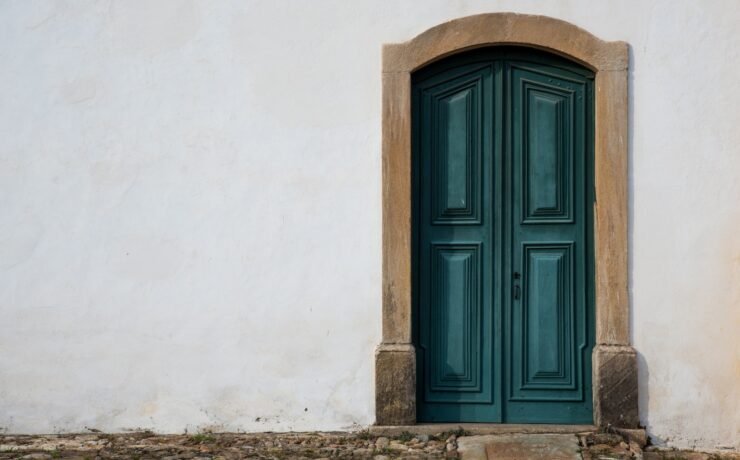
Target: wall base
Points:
x,y
614,379
395,384
615,386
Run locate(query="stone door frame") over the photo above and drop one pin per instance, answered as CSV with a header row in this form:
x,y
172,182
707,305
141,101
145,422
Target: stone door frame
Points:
x,y
614,360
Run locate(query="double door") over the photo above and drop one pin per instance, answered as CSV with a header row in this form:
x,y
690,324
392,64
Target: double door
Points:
x,y
503,250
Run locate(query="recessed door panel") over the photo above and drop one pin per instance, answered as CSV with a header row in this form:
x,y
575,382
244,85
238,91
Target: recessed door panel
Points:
x,y
455,320
543,347
456,150
456,108
547,153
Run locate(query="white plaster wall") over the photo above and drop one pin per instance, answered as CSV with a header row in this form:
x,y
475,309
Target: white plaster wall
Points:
x,y
190,196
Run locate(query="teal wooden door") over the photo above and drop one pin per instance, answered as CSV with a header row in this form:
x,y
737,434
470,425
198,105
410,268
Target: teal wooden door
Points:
x,y
503,251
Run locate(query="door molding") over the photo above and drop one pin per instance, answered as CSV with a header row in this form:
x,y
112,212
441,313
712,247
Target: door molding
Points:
x,y
614,360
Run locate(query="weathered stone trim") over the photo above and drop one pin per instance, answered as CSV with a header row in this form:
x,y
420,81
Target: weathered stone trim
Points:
x,y
481,30
615,381
610,216
395,367
395,385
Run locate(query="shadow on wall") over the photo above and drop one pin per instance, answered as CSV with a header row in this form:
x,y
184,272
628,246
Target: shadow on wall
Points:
x,y
643,373
631,188
643,396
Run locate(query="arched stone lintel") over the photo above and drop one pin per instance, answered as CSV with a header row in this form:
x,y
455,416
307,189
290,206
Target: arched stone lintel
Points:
x,y
490,29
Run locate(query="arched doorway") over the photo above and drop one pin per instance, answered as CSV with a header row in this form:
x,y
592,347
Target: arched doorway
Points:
x,y
614,373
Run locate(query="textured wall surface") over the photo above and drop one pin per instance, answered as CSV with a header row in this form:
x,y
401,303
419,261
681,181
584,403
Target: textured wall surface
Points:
x,y
190,195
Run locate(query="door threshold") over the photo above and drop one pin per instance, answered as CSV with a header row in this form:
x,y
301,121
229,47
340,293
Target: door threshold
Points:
x,y
480,428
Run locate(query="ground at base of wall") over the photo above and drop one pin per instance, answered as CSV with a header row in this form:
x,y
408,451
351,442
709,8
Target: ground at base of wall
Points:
x,y
202,446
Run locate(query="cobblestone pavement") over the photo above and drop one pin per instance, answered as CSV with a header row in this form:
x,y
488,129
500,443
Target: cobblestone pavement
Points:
x,y
206,446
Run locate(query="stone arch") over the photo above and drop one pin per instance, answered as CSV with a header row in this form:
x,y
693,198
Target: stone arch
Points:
x,y
480,30
614,369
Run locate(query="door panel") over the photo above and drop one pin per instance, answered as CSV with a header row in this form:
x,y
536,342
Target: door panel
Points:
x,y
454,346
455,321
548,352
547,317
547,154
503,248
456,169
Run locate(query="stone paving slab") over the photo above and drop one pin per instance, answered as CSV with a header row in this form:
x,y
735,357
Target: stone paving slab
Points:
x,y
520,446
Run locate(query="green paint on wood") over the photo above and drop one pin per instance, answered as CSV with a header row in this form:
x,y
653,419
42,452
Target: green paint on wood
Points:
x,y
503,250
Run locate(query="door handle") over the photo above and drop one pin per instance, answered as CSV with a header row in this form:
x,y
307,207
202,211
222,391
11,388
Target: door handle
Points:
x,y
516,286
